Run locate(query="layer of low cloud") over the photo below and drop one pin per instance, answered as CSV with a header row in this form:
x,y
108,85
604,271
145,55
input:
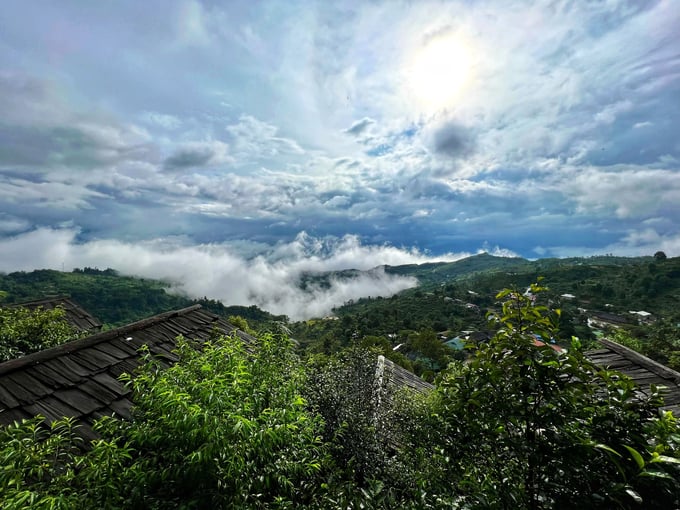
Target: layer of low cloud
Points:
x,y
268,278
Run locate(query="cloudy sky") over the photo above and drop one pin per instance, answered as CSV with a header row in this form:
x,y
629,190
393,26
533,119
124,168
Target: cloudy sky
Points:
x,y
318,135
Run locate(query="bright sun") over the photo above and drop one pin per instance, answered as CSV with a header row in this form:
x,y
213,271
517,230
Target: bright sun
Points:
x,y
438,72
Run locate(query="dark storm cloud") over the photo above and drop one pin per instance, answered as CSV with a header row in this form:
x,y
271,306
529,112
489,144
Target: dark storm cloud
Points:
x,y
196,154
189,158
452,140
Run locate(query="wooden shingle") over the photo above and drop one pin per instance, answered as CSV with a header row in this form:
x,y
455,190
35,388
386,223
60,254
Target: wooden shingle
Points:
x,y
79,318
51,408
642,370
79,379
391,376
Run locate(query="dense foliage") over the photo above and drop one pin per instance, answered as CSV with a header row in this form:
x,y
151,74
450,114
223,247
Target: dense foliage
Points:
x,y
363,417
112,298
455,297
221,429
659,341
238,426
23,331
523,426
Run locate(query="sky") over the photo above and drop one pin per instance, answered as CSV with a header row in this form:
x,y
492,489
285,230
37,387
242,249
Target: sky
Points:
x,y
235,145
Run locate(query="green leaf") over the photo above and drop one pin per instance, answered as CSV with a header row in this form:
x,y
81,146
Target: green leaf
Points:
x,y
665,458
657,474
634,495
636,456
606,448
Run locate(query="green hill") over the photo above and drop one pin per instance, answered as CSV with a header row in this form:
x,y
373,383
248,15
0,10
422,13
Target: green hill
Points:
x,y
455,297
115,299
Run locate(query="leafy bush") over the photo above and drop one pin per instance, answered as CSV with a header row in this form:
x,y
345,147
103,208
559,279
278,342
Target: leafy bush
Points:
x,y
223,428
522,426
23,331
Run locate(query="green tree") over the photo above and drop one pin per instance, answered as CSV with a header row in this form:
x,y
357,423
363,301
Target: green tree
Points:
x,y
240,323
660,341
522,426
243,426
23,331
343,390
372,428
222,428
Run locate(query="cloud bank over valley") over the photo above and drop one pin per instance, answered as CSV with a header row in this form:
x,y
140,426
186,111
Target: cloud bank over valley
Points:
x,y
239,274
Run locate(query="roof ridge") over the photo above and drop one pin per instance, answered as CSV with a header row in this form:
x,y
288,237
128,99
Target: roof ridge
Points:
x,y
42,300
648,363
89,341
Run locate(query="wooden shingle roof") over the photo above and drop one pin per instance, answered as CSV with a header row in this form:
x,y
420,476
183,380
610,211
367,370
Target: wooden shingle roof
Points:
x,y
76,316
397,377
641,369
80,378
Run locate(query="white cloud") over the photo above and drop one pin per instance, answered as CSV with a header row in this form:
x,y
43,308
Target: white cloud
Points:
x,y
161,119
11,224
627,192
27,100
359,127
337,202
571,109
269,279
45,195
611,111
255,139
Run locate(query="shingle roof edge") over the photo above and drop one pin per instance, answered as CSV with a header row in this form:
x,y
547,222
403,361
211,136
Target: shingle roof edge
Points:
x,y
74,345
51,299
651,365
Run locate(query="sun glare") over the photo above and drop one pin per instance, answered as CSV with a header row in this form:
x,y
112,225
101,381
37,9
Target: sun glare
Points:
x,y
438,72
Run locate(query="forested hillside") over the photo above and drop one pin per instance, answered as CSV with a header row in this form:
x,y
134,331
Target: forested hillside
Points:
x,y
455,298
113,298
452,301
